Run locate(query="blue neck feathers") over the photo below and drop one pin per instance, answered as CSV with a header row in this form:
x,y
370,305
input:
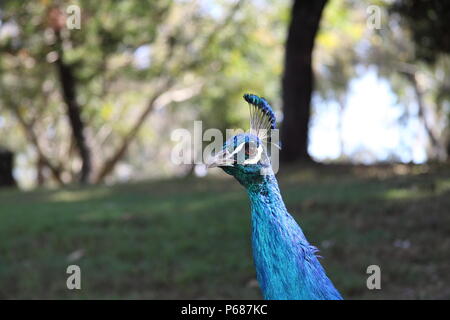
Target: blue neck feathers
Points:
x,y
286,264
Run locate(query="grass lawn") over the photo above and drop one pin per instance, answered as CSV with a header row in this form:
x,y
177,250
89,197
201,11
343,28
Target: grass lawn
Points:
x,y
190,238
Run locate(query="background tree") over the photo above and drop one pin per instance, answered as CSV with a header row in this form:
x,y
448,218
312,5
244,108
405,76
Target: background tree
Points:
x,y
428,26
6,168
87,64
129,61
417,75
298,78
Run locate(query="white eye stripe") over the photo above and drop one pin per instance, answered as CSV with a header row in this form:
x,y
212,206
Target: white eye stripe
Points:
x,y
256,158
238,148
253,159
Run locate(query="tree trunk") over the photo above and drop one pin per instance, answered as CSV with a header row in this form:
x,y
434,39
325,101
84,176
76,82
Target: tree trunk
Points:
x,y
34,139
437,151
341,102
40,166
298,79
448,148
6,168
68,87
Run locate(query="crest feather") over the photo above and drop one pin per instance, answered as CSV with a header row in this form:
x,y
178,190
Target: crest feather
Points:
x,y
262,118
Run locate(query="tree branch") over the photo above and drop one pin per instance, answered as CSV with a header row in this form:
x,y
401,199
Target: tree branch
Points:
x,y
410,73
157,99
33,138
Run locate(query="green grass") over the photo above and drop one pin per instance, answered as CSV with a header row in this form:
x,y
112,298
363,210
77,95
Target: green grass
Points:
x,y
190,238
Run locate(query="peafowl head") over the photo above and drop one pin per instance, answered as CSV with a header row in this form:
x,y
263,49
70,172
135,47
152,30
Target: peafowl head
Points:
x,y
247,156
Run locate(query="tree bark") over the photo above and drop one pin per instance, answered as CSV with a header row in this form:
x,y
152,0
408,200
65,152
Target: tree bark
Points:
x,y
341,102
437,151
6,168
40,165
34,139
68,88
297,80
447,149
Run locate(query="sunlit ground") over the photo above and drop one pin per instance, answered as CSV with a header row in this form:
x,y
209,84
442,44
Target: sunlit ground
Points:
x,y
191,238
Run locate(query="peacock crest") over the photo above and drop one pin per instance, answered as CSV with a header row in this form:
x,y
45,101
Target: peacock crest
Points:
x,y
262,118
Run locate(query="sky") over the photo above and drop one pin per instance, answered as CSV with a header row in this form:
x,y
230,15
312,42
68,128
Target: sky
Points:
x,y
370,125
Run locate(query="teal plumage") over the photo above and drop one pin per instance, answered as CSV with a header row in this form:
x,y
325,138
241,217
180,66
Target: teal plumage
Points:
x,y
286,264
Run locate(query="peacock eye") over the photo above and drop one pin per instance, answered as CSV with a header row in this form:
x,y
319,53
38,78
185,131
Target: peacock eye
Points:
x,y
250,149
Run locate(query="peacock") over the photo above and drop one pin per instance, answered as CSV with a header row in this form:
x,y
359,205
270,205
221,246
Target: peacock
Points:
x,y
287,267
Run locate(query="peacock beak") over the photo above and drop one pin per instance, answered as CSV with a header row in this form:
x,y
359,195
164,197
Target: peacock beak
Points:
x,y
221,159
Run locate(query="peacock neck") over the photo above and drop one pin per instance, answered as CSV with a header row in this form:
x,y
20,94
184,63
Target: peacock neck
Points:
x,y
286,264
266,193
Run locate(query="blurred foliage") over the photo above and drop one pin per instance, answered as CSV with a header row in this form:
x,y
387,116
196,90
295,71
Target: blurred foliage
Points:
x,y
429,23
420,84
193,60
126,55
341,29
345,43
